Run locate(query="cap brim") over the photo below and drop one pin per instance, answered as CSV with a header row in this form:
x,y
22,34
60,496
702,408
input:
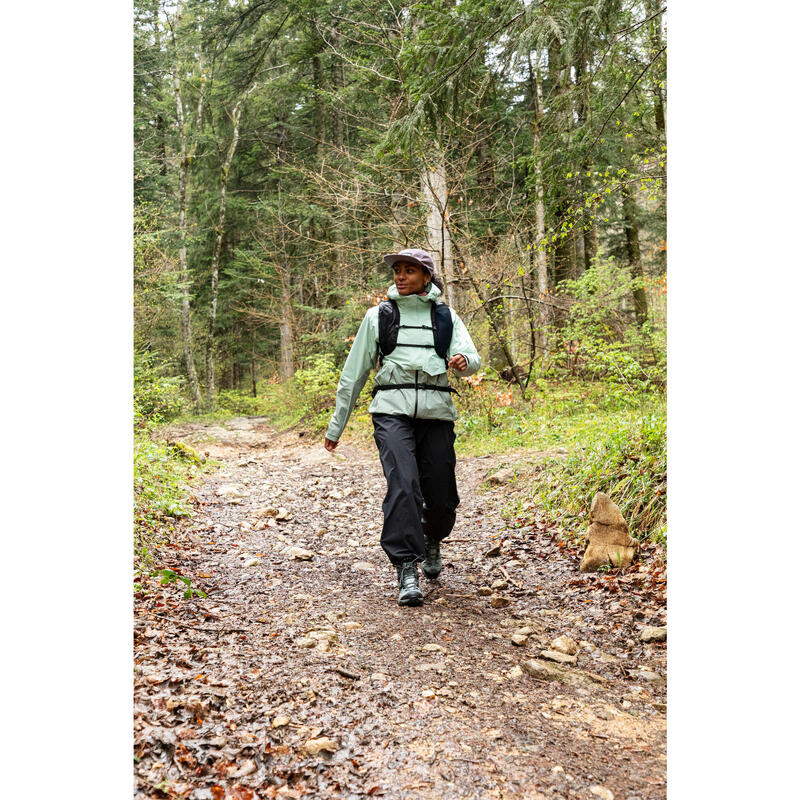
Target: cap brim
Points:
x,y
393,258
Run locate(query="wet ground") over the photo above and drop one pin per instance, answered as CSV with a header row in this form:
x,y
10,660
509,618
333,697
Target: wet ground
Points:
x,y
299,676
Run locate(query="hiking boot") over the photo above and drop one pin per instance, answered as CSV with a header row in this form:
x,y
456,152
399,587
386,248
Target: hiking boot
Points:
x,y
432,565
408,584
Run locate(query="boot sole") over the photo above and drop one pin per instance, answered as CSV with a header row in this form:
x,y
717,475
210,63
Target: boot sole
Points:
x,y
414,600
431,575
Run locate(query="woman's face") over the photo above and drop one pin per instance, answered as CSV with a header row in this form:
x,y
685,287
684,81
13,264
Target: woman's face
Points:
x,y
410,278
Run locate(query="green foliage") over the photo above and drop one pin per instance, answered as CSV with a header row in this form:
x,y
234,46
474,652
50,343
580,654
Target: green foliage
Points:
x,y
629,465
170,576
601,342
234,403
316,387
160,478
157,398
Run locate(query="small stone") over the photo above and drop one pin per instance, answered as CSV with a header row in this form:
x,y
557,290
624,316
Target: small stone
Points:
x,y
251,563
494,733
515,672
653,634
500,585
484,591
498,601
602,792
314,746
494,551
557,768
518,639
525,631
396,637
428,694
649,675
563,644
280,722
247,768
232,490
300,554
561,658
283,514
363,566
626,704
305,642
433,648
379,676
323,635
352,626
541,670
501,476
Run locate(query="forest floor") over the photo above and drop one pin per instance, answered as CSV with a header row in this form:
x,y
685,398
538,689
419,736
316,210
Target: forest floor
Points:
x,y
300,643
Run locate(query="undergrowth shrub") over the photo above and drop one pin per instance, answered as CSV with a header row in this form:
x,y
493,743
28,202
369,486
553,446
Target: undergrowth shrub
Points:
x,y
161,475
600,341
157,397
232,401
316,383
629,465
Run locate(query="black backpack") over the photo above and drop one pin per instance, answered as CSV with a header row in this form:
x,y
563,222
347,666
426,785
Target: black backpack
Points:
x,y
389,326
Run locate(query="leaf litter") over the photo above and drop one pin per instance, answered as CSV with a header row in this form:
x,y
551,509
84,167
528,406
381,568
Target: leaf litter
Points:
x,y
301,677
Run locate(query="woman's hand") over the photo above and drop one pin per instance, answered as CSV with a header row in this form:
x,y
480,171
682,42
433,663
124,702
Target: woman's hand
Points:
x,y
457,362
329,445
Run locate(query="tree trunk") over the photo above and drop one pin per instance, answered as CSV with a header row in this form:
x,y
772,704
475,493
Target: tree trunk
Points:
x,y
564,252
219,231
587,244
634,256
434,191
656,43
590,242
538,253
286,328
183,174
337,82
319,100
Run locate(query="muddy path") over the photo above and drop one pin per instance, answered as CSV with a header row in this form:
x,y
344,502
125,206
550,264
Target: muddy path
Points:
x,y
299,676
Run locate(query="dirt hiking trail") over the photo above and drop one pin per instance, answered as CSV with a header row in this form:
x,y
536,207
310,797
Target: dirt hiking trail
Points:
x,y
299,675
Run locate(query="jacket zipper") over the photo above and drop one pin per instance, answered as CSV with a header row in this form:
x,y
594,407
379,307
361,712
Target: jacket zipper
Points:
x,y
416,391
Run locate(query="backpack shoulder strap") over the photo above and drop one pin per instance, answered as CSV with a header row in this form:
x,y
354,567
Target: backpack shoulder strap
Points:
x,y
388,326
442,324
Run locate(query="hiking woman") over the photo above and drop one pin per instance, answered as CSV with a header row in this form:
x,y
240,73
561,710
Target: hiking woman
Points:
x,y
415,339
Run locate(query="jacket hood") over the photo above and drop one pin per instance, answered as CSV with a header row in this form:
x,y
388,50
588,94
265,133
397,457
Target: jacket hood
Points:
x,y
434,293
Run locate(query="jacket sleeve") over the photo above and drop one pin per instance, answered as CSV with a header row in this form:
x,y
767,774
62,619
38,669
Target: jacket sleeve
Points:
x,y
360,361
461,343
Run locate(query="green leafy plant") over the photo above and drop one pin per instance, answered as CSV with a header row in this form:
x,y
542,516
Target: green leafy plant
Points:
x,y
170,576
157,397
600,341
629,465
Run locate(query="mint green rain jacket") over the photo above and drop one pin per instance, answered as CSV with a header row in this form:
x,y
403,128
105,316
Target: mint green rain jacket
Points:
x,y
402,365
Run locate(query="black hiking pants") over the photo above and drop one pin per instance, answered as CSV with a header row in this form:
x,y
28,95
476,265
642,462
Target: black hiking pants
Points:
x,y
421,495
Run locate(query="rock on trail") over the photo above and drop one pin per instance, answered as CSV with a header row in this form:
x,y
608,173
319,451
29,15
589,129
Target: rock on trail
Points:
x,y
299,676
